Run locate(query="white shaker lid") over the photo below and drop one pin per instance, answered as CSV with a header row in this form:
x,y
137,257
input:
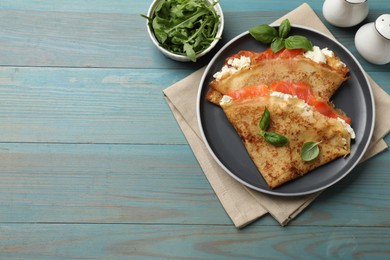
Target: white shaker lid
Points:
x,y
382,25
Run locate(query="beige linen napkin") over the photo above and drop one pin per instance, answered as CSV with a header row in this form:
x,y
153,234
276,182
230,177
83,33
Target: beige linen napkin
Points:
x,y
242,204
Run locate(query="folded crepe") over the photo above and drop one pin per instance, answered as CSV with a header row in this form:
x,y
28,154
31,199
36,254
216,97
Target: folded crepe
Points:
x,y
299,119
321,69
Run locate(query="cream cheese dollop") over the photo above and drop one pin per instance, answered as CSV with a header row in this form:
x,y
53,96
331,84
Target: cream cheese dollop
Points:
x,y
348,128
316,54
281,95
319,55
224,100
327,52
232,66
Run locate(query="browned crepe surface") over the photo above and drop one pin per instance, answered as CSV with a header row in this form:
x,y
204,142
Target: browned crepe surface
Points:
x,y
279,165
324,79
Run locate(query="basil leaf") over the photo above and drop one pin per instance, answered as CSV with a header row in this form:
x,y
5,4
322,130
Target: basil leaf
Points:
x,y
263,33
284,28
269,35
310,151
298,42
277,44
275,139
265,119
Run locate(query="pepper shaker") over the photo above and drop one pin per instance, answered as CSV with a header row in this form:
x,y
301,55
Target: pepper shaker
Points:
x,y
345,13
372,40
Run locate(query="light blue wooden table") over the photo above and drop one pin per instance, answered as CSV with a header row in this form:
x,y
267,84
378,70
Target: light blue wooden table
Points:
x,y
93,164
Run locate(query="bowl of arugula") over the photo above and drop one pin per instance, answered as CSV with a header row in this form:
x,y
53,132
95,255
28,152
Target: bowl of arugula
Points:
x,y
185,30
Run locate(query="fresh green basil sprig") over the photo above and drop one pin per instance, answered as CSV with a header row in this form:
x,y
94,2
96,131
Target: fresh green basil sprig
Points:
x,y
270,137
185,27
278,39
310,151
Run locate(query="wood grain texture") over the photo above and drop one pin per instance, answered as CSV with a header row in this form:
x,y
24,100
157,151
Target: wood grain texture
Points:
x,y
75,105
94,166
87,105
190,242
141,6
92,183
104,184
42,37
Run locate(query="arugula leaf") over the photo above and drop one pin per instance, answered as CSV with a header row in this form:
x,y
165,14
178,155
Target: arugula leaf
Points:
x,y
189,51
185,27
188,22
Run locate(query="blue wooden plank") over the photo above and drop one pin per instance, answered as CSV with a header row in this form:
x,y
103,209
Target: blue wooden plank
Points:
x,y
361,196
141,6
92,105
190,242
101,183
120,40
87,105
40,38
105,184
98,150
83,6
44,38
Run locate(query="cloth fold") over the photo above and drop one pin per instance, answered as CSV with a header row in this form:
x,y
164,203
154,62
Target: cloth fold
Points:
x,y
242,204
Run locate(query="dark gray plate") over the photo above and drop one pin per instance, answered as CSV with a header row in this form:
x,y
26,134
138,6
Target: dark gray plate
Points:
x,y
354,97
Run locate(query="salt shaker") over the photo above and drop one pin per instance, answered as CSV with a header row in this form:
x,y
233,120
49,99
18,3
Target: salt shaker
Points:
x,y
345,13
372,40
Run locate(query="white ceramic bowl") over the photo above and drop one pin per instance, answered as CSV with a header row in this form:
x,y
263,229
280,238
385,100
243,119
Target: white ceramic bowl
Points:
x,y
179,57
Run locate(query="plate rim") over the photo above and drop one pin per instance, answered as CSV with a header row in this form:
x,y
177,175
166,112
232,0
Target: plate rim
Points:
x,y
274,192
